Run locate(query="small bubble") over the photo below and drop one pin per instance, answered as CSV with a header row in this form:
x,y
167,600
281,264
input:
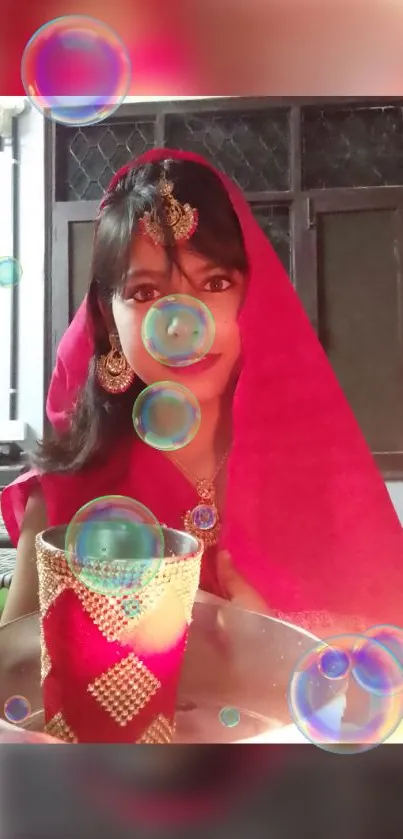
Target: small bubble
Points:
x,y
131,607
334,663
10,272
230,717
17,709
166,416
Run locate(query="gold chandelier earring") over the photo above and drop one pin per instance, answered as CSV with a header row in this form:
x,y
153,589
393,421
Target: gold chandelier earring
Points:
x,y
114,374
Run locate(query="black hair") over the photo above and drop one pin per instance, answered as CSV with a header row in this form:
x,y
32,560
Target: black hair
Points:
x,y
218,237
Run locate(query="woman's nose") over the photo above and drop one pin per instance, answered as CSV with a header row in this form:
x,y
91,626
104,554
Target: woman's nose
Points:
x,y
182,321
182,326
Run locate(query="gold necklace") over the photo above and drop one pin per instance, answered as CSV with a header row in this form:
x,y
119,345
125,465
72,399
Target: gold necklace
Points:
x,y
204,520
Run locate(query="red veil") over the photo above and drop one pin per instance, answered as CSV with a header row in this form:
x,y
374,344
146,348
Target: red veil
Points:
x,y
308,519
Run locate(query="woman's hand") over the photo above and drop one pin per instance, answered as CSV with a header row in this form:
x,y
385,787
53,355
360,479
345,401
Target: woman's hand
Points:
x,y
236,589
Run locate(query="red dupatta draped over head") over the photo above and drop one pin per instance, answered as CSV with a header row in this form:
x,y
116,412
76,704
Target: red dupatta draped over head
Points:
x,y
308,519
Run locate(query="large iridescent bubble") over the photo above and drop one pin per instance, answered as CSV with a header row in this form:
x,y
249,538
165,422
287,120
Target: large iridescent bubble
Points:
x,y
114,545
178,330
166,416
335,710
76,70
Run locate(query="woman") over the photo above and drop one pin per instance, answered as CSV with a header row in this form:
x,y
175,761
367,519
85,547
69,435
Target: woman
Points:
x,y
308,532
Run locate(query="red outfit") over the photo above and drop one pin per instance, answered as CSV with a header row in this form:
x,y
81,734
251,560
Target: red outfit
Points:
x,y
308,520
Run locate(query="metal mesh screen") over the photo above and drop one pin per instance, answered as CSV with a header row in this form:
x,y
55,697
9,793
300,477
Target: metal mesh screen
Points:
x,y
87,158
252,148
352,147
275,223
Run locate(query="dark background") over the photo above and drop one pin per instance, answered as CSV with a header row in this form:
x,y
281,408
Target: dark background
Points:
x,y
325,181
297,792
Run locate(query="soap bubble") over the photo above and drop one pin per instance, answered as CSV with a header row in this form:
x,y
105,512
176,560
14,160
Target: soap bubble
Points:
x,y
334,663
114,545
332,708
178,330
370,674
17,709
10,272
166,416
390,636
76,70
230,717
131,607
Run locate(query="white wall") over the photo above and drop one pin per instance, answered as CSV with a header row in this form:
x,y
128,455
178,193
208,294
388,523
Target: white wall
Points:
x,y
395,490
32,256
6,249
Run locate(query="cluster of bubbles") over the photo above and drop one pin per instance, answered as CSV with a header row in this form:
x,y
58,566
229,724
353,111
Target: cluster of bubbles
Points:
x,y
178,332
76,71
115,545
346,694
17,709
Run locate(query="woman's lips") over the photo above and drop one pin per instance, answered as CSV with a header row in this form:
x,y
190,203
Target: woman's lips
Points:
x,y
197,368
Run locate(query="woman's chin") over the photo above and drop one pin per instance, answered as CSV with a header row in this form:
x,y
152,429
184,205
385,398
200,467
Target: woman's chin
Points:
x,y
203,387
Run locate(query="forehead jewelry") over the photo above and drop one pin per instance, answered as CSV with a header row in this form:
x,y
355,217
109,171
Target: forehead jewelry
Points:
x,y
180,219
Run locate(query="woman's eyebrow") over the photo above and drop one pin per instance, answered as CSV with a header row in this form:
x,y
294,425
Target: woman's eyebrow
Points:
x,y
145,274
208,268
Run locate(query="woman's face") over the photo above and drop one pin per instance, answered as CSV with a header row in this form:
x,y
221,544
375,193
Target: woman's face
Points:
x,y
150,277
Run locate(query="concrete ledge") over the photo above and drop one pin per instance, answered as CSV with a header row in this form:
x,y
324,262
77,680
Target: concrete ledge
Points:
x,y
18,432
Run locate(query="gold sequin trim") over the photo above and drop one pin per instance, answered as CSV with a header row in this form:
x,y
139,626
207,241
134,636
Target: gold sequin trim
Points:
x,y
160,731
46,663
124,689
58,728
52,581
107,612
186,584
182,576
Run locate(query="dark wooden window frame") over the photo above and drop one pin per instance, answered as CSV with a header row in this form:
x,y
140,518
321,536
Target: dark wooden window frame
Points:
x,y
344,201
306,207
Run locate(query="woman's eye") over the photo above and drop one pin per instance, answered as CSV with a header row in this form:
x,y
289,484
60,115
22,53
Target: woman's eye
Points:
x,y
218,284
145,294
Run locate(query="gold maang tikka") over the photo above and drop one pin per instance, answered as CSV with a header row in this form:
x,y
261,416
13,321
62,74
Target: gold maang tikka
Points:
x,y
180,219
